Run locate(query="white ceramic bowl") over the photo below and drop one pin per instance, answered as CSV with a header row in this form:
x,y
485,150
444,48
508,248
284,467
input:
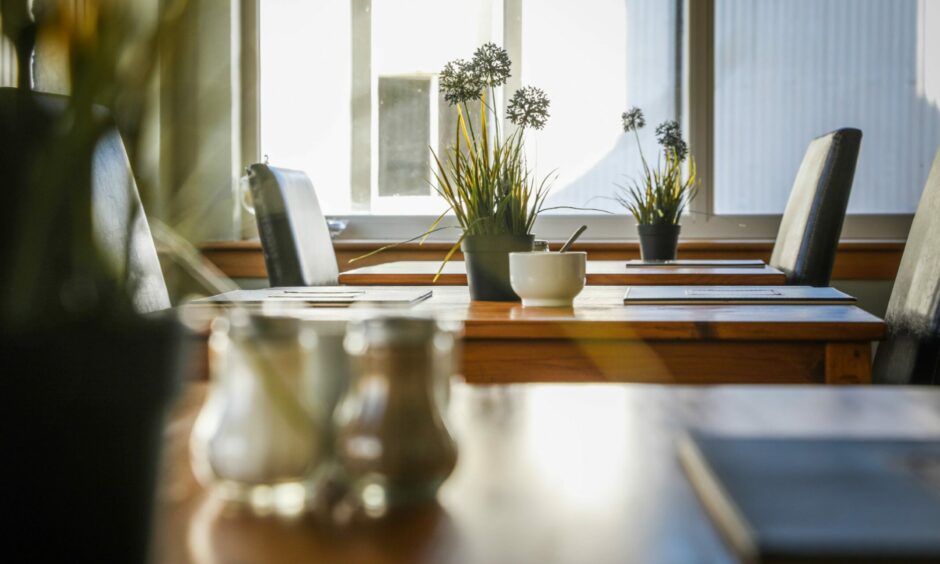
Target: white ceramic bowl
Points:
x,y
545,279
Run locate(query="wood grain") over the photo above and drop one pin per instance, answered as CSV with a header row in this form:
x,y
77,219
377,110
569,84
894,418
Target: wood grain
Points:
x,y
548,474
237,259
493,361
600,339
599,313
599,273
848,363
857,259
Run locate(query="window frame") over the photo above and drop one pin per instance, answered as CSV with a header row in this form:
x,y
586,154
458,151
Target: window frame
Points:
x,y
696,115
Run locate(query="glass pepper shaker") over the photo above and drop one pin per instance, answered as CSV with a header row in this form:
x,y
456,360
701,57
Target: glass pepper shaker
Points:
x,y
390,435
258,437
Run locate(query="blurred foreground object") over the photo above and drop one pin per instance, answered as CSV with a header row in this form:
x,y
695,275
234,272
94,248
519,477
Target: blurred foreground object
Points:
x,y
797,499
268,440
257,438
88,366
391,437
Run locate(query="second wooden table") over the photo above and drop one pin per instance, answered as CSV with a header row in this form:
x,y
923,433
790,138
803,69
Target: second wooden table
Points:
x,y
602,340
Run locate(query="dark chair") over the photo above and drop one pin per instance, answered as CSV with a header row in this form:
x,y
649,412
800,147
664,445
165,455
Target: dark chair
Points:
x,y
116,208
296,241
80,392
809,230
911,353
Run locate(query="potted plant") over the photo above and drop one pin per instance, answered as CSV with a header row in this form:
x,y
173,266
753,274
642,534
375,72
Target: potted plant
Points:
x,y
484,178
659,198
86,378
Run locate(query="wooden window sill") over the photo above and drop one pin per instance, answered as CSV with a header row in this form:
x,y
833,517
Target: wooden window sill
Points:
x,y
857,259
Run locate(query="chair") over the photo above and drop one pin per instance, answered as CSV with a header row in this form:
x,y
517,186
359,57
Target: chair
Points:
x,y
808,238
295,239
82,392
116,208
911,353
115,202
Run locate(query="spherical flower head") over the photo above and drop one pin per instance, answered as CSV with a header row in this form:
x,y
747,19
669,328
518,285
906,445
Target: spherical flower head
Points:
x,y
669,136
459,82
528,107
633,119
491,64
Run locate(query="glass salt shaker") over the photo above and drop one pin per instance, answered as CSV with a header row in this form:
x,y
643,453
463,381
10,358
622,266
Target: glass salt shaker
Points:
x,y
390,435
258,437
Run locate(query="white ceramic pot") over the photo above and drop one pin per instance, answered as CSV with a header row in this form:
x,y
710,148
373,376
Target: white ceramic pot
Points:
x,y
547,279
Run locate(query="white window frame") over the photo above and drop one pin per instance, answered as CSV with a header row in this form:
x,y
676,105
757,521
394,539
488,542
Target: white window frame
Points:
x,y
697,85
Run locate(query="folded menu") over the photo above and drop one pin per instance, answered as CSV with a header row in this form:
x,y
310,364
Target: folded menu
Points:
x,y
326,296
819,500
694,263
692,295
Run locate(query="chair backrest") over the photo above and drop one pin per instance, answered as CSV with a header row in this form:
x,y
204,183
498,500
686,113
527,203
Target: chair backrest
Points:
x,y
296,241
812,223
911,353
119,215
117,212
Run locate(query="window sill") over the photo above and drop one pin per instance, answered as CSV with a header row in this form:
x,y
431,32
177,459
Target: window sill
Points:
x,y
857,259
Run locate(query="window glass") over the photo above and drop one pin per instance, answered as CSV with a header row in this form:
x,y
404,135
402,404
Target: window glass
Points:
x,y
305,90
349,94
594,60
349,91
788,71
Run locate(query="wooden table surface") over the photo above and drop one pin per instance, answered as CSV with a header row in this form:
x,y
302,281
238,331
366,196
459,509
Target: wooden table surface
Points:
x,y
599,272
548,473
602,340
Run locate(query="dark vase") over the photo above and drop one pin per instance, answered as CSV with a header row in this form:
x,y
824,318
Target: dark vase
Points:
x,y
81,423
487,260
659,241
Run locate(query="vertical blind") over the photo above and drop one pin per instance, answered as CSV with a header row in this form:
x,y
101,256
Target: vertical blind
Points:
x,y
788,71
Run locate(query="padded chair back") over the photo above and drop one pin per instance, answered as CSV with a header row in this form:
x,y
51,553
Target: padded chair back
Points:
x,y
298,250
119,215
911,353
812,223
117,212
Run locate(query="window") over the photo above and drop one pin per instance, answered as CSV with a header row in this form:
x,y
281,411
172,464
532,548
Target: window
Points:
x,y
359,110
594,60
305,87
787,71
348,93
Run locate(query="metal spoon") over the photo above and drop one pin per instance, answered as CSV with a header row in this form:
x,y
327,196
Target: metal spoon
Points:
x,y
572,239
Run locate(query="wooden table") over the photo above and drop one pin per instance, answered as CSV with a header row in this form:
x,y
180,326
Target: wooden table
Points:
x,y
602,340
549,474
599,272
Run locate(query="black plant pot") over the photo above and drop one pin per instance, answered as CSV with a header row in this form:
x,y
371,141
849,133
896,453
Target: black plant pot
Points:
x,y
487,260
658,241
81,425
